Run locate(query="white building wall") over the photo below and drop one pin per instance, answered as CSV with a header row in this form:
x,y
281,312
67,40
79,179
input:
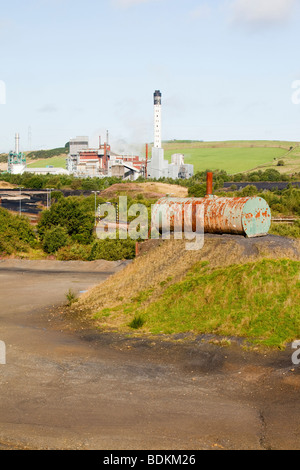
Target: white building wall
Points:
x,y
158,166
18,169
173,171
177,159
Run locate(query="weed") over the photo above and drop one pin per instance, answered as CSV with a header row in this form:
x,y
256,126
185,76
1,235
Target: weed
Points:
x,y
71,298
137,323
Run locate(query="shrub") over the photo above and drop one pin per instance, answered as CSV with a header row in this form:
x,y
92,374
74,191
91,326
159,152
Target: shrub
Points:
x,y
71,298
70,214
198,190
75,252
16,233
249,191
54,238
113,250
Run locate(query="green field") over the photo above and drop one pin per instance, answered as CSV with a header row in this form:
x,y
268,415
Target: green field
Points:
x,y
233,157
57,162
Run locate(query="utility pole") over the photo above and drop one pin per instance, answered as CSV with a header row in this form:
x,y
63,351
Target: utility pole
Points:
x,y
20,206
49,198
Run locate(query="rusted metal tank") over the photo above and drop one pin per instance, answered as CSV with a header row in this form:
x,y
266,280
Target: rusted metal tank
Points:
x,y
248,216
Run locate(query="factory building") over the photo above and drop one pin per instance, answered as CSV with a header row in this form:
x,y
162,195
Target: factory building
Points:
x,y
158,167
128,167
94,162
76,145
85,162
126,171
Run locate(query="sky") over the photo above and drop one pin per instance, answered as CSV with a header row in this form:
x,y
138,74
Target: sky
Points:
x,y
227,70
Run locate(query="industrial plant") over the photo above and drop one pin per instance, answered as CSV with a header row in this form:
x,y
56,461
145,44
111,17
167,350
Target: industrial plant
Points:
x,y
84,161
16,164
100,162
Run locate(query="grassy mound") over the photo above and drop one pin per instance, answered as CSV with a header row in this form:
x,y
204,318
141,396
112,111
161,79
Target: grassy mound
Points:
x,y
233,287
259,301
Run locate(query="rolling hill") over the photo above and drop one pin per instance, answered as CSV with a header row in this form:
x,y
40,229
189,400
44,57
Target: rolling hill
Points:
x,y
237,156
231,156
57,161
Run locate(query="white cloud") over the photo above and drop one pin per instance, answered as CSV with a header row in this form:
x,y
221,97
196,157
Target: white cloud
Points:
x,y
48,108
262,12
129,3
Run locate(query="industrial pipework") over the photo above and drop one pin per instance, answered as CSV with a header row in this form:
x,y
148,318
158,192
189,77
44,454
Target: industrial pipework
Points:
x,y
16,163
248,216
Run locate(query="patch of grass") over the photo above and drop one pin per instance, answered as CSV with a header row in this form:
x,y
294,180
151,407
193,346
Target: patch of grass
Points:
x,y
137,322
71,297
142,296
286,230
57,162
259,301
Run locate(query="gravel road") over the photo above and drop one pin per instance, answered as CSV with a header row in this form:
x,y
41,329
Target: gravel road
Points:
x,y
66,387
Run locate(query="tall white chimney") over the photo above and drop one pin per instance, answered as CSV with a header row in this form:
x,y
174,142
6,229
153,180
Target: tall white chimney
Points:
x,y
17,149
157,119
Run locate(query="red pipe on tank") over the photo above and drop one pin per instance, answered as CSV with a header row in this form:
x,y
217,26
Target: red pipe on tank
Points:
x,y
209,184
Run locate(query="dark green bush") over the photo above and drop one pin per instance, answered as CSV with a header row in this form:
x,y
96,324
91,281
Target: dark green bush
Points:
x,y
16,233
197,190
75,252
113,250
69,213
249,191
54,238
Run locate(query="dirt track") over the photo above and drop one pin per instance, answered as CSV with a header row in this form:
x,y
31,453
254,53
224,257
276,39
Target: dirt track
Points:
x,y
64,387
